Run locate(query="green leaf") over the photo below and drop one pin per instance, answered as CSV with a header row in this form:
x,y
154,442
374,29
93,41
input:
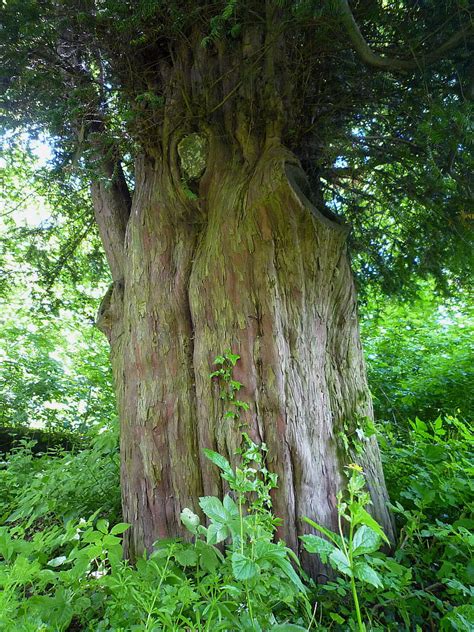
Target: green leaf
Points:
x,y
243,567
111,540
290,572
287,627
119,528
102,525
213,508
57,561
216,533
231,506
316,544
186,557
190,520
329,534
340,562
365,541
366,573
208,556
361,516
461,618
220,461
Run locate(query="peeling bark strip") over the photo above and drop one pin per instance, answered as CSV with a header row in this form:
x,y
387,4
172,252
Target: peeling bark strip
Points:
x,y
254,267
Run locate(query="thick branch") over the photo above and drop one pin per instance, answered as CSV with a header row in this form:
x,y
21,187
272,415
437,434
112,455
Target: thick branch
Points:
x,y
392,63
112,203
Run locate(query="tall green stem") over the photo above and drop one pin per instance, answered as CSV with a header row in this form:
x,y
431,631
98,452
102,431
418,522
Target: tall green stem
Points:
x,y
348,554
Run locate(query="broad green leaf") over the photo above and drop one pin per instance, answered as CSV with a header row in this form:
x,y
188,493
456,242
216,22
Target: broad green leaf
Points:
x,y
111,540
220,461
366,573
461,618
102,525
213,508
365,541
190,520
278,556
316,544
216,533
287,627
340,562
230,506
208,556
57,561
187,557
287,568
361,516
329,534
119,528
243,567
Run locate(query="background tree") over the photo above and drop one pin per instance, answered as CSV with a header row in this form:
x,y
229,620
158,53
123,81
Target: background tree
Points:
x,y
224,141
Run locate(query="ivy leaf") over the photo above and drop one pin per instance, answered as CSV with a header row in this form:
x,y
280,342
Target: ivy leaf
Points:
x,y
243,567
365,541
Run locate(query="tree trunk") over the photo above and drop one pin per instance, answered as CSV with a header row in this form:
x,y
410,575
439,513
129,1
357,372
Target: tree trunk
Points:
x,y
255,267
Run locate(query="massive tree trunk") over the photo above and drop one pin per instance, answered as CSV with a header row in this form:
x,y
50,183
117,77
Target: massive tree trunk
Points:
x,y
251,265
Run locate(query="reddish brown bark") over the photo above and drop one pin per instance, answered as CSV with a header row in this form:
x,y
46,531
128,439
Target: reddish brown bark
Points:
x,y
252,265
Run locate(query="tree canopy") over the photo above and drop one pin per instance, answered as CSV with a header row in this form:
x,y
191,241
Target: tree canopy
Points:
x,y
373,98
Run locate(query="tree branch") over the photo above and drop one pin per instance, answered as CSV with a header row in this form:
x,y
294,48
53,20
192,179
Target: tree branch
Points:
x,y
392,63
112,204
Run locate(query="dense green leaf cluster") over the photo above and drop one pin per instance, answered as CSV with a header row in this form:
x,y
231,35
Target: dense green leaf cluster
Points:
x,y
420,357
389,150
61,568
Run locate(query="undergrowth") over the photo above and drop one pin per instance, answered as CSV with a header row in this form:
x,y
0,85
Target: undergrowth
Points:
x,y
61,564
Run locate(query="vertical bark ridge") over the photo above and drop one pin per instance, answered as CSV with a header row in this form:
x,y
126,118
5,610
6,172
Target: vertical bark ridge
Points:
x,y
271,280
158,433
255,267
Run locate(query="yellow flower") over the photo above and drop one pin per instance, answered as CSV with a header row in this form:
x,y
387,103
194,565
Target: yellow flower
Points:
x,y
354,466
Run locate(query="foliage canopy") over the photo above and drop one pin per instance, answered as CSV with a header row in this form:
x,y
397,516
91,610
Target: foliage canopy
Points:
x,y
374,99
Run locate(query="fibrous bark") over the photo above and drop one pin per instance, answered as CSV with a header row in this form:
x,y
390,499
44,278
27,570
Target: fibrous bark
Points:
x,y
251,265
